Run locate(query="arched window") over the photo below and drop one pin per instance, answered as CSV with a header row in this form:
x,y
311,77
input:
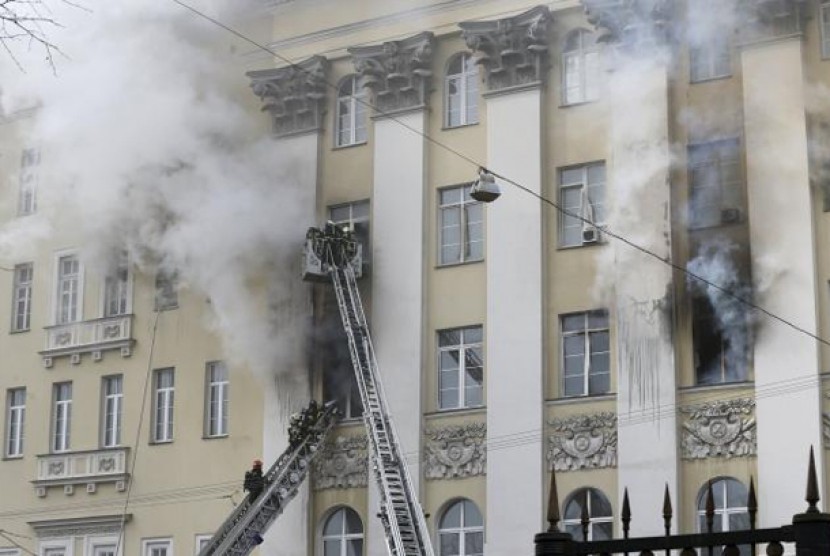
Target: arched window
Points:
x,y
599,515
343,533
461,91
461,530
731,514
580,68
350,123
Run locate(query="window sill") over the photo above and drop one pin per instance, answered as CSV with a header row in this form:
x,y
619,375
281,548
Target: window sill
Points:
x,y
717,386
710,79
162,309
159,442
350,145
462,263
581,246
215,436
456,412
22,330
348,421
590,398
579,103
13,458
452,127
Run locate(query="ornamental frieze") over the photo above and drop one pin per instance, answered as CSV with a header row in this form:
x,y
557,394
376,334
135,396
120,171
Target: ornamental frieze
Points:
x,y
513,51
583,442
343,463
293,95
397,72
721,429
631,23
456,451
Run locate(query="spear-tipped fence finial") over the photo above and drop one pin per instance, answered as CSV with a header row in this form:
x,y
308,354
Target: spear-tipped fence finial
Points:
x,y
626,514
812,497
710,508
553,505
667,510
752,503
585,518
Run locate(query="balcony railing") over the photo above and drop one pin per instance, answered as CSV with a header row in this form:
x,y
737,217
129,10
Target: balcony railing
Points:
x,y
89,336
87,467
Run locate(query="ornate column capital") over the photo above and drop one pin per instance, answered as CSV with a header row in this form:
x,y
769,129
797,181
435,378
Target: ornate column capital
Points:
x,y
513,50
770,19
397,72
294,95
631,23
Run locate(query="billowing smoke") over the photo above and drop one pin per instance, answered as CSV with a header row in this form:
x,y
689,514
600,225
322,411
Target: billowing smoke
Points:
x,y
730,317
144,149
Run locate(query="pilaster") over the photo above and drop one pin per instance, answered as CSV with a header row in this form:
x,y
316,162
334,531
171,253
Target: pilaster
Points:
x,y
639,209
513,53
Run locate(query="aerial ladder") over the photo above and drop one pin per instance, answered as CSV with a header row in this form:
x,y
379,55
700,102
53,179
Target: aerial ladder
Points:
x,y
243,530
333,254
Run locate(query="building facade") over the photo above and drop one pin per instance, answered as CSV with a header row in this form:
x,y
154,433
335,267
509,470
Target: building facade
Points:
x,y
645,307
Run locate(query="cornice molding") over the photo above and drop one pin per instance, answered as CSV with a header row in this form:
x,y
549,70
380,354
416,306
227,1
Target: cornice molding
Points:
x,y
294,95
72,526
513,50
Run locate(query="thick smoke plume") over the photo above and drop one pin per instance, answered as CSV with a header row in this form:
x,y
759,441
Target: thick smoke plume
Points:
x,y
144,149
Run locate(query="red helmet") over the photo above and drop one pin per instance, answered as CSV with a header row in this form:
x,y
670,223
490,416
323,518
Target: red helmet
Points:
x,y
257,463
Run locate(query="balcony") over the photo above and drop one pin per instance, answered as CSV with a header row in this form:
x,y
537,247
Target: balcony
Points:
x,y
91,468
89,336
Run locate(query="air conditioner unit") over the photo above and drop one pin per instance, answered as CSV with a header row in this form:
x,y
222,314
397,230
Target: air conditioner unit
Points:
x,y
590,234
730,215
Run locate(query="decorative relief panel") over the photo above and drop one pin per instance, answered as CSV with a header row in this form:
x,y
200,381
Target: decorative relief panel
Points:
x,y
343,463
724,429
397,72
631,23
294,95
583,442
456,451
513,51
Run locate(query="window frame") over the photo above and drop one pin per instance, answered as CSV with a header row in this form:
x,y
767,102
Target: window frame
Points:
x,y
223,404
26,287
65,543
352,221
710,53
93,543
824,11
167,396
117,400
583,186
593,520
159,542
581,53
723,513
15,420
358,101
199,540
462,347
27,181
164,300
124,289
463,226
463,79
586,332
56,308
718,146
463,530
61,440
342,536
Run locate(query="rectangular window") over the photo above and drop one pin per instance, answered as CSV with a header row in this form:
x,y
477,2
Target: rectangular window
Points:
x,y
112,394
339,380
27,202
585,353
216,403
22,297
581,193
15,421
68,307
163,405
103,550
715,184
460,368
167,290
710,60
355,216
117,290
157,548
61,416
824,23
201,542
462,226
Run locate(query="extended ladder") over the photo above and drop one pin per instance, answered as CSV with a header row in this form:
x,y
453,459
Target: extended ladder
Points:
x,y
243,530
335,253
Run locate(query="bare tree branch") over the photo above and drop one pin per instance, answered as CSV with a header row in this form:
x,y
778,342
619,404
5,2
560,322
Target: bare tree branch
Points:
x,y
26,24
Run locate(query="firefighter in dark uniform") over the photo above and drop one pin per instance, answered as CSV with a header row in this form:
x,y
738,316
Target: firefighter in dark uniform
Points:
x,y
254,481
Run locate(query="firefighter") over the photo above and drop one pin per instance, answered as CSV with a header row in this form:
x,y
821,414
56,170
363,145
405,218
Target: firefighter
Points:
x,y
254,481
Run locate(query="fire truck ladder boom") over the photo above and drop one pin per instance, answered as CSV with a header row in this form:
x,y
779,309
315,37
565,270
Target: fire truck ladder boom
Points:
x,y
243,530
335,255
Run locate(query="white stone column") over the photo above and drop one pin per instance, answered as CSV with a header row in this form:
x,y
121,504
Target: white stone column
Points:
x,y
638,285
398,246
786,362
297,129
514,330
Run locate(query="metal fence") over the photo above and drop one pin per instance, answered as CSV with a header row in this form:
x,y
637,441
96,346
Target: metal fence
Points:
x,y
809,531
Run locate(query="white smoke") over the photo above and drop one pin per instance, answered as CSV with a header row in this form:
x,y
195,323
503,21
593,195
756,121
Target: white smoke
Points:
x,y
145,147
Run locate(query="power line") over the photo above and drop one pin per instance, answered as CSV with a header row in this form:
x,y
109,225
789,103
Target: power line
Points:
x,y
605,229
